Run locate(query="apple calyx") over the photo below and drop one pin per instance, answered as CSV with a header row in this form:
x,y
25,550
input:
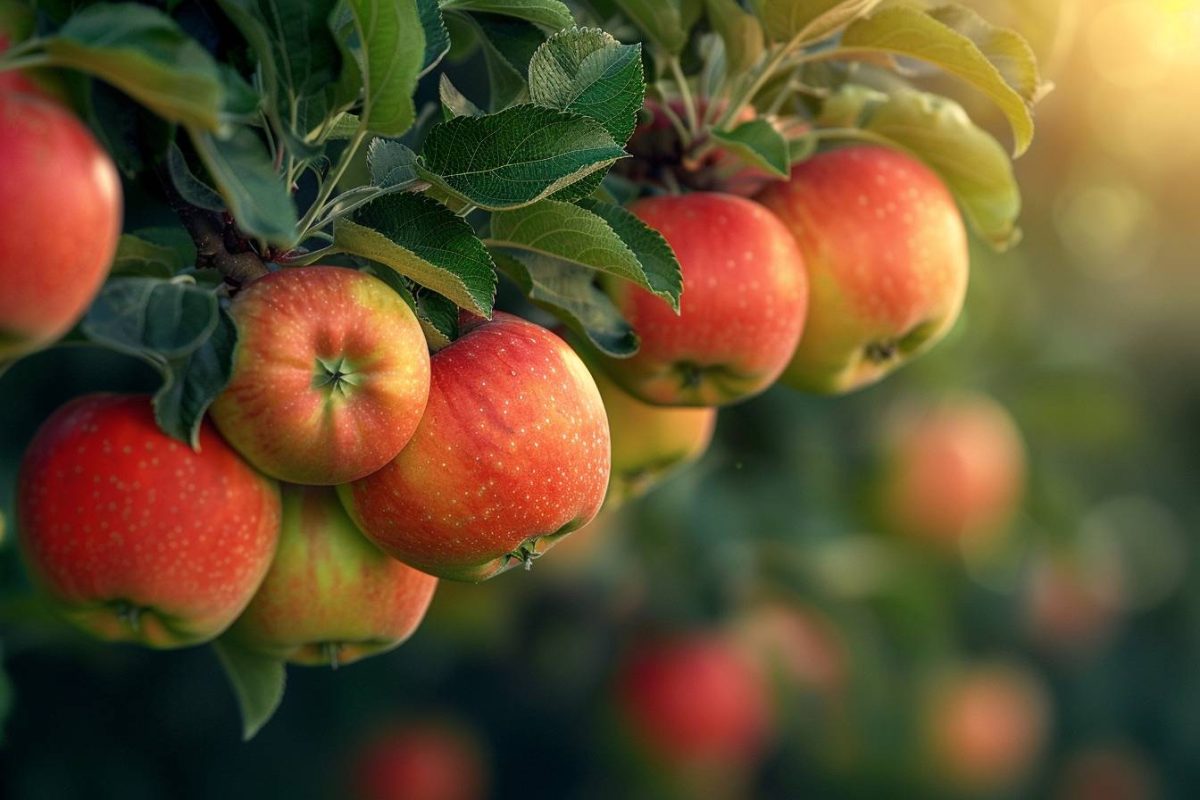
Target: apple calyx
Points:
x,y
129,614
337,375
333,653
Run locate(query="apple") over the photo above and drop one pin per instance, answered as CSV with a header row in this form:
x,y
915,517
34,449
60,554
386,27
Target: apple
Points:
x,y
796,644
741,313
1072,605
695,701
512,453
135,536
887,262
330,597
60,199
953,471
330,377
420,761
986,726
649,443
1111,771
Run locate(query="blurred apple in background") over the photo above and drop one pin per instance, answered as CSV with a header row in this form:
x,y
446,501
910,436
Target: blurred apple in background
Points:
x,y
795,644
1107,772
426,760
1072,605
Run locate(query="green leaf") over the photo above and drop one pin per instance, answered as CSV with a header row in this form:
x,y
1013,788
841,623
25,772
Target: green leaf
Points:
x,y
195,191
805,21
134,137
1006,49
508,45
758,143
440,325
142,52
258,682
938,131
166,319
517,156
139,256
6,690
570,293
740,31
582,237
587,71
423,240
906,31
660,20
437,38
394,45
551,14
656,257
192,382
454,104
246,179
392,164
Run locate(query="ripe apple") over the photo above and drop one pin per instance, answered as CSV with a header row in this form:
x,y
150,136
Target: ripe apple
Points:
x,y
986,726
694,701
887,262
742,310
134,535
513,452
649,443
330,377
1073,606
60,199
330,597
953,471
421,761
794,643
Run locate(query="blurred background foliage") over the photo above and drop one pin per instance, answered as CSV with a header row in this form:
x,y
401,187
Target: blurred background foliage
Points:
x,y
1088,333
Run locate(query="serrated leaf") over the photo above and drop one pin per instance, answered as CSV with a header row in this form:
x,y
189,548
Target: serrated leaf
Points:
x,y
906,31
454,104
195,191
423,240
439,329
141,51
570,293
587,71
938,131
192,382
437,38
167,319
140,257
740,31
758,143
582,237
805,21
393,42
508,44
392,164
656,257
247,181
660,20
517,156
258,683
551,14
1006,49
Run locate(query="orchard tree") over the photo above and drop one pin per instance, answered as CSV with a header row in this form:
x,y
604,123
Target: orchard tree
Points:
x,y
321,199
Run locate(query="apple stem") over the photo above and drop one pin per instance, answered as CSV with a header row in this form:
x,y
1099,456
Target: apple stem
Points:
x,y
131,615
332,653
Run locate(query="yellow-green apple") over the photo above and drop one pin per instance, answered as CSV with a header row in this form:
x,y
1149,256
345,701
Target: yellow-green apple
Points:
x,y
330,597
886,253
513,452
424,760
695,701
330,377
135,536
742,311
60,200
649,443
986,726
953,471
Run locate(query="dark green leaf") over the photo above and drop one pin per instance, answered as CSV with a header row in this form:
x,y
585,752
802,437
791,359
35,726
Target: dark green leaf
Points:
x,y
437,38
195,191
132,135
258,683
394,45
440,329
517,156
423,240
247,180
660,20
167,319
551,14
192,382
658,261
758,143
508,45
392,164
140,257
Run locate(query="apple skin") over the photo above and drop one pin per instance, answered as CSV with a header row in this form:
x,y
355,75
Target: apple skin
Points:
x,y
330,597
330,377
649,443
135,536
513,452
60,199
741,314
420,761
954,471
986,725
695,700
887,262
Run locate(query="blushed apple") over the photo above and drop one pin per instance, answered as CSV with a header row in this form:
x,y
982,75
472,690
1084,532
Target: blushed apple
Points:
x,y
330,377
135,536
421,760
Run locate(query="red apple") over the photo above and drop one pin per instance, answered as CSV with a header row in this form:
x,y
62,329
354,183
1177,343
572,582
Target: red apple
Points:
x,y
330,377
134,535
60,200
1073,606
986,726
742,310
954,471
421,761
695,701
887,262
513,452
331,597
